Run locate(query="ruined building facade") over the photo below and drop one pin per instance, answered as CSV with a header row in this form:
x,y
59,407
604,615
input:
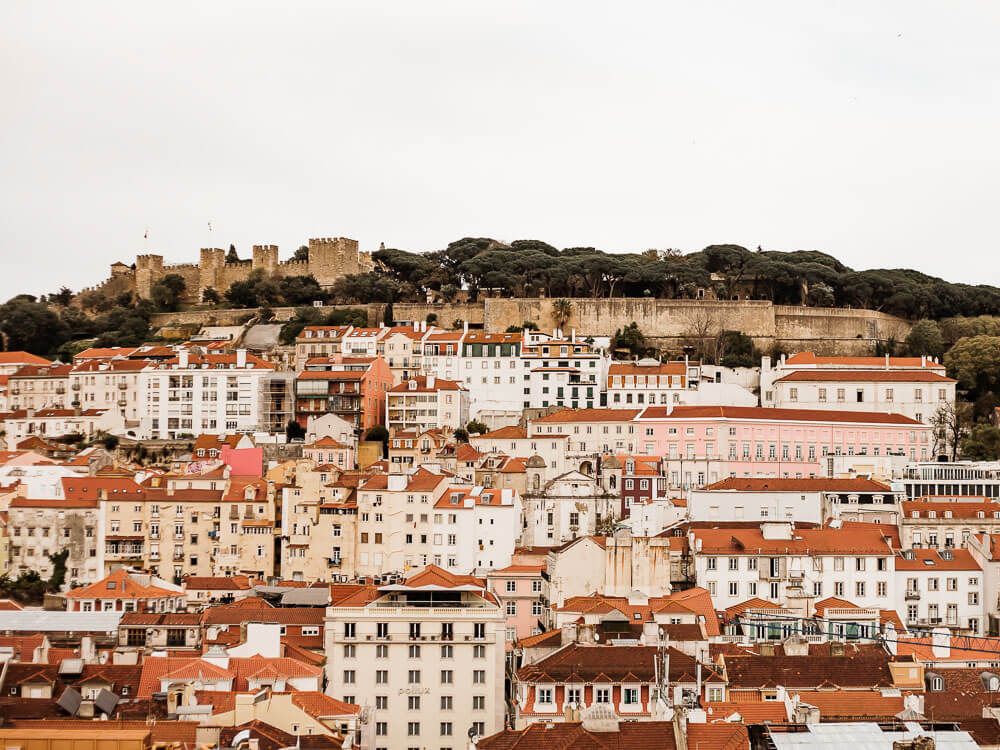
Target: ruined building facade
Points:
x,y
330,258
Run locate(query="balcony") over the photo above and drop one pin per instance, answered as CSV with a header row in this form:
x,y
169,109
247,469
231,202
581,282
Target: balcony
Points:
x,y
333,562
911,595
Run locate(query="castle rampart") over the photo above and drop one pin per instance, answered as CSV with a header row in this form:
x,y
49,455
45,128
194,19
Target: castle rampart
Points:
x,y
330,258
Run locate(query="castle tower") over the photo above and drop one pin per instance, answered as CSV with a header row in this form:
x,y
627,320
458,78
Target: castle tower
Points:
x,y
211,270
148,270
330,258
266,258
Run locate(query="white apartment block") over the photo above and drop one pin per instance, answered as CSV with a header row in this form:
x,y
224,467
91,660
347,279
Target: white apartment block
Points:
x,y
564,372
426,402
474,530
426,656
795,568
39,387
203,393
941,588
567,507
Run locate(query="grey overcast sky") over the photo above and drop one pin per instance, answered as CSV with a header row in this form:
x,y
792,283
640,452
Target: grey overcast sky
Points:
x,y
865,129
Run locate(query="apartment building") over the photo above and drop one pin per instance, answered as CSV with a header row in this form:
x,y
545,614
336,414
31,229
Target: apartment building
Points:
x,y
395,517
800,500
427,655
108,384
916,393
985,551
440,356
178,525
318,341
353,389
319,527
705,444
409,448
192,393
425,403
947,522
650,382
795,567
519,589
11,362
475,529
326,451
52,423
402,349
940,588
562,372
40,528
39,387
491,368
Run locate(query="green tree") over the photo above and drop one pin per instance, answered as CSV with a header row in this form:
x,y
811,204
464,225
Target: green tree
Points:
x,y
975,362
210,296
58,577
460,435
166,293
476,428
562,310
231,256
31,326
982,443
737,350
449,292
63,297
925,339
630,337
300,290
301,253
110,442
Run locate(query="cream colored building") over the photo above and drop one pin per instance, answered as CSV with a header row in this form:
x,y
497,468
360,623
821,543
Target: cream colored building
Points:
x,y
427,657
39,387
40,528
425,403
319,526
108,384
180,525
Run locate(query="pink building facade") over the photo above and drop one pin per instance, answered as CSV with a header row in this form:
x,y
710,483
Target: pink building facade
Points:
x,y
519,589
704,444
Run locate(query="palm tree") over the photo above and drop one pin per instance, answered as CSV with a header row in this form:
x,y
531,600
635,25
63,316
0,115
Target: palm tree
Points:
x,y
562,309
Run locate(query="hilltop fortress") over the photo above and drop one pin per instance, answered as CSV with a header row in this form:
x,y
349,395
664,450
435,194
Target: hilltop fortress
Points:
x,y
330,258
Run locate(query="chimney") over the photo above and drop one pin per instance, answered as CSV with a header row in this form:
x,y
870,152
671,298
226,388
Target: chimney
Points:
x,y
940,643
430,381
182,358
241,358
465,326
887,360
923,360
573,335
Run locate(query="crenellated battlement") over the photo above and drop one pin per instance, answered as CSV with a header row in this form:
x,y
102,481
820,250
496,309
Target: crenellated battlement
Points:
x,y
330,258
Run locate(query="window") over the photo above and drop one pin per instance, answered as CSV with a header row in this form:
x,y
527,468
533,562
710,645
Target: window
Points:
x,y
511,586
511,609
447,652
446,703
447,677
479,703
413,703
413,677
382,677
348,676
479,676
446,729
413,728
545,696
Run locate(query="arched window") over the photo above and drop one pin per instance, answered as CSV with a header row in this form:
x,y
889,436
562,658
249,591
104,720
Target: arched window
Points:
x,y
937,684
537,482
613,481
994,684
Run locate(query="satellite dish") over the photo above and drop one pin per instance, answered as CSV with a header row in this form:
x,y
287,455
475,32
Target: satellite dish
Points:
x,y
472,733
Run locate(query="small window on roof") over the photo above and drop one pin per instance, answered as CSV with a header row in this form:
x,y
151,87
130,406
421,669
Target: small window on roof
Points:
x,y
111,585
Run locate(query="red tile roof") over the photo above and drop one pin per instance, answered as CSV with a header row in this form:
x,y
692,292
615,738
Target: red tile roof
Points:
x,y
588,415
124,588
322,706
421,385
639,735
510,432
867,705
864,376
767,414
816,484
19,357
810,358
827,541
931,559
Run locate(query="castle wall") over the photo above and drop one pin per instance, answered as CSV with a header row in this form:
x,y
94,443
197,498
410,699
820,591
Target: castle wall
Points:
x,y
236,316
670,323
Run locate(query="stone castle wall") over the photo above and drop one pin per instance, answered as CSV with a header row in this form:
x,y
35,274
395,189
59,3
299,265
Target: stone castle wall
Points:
x,y
670,323
330,258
